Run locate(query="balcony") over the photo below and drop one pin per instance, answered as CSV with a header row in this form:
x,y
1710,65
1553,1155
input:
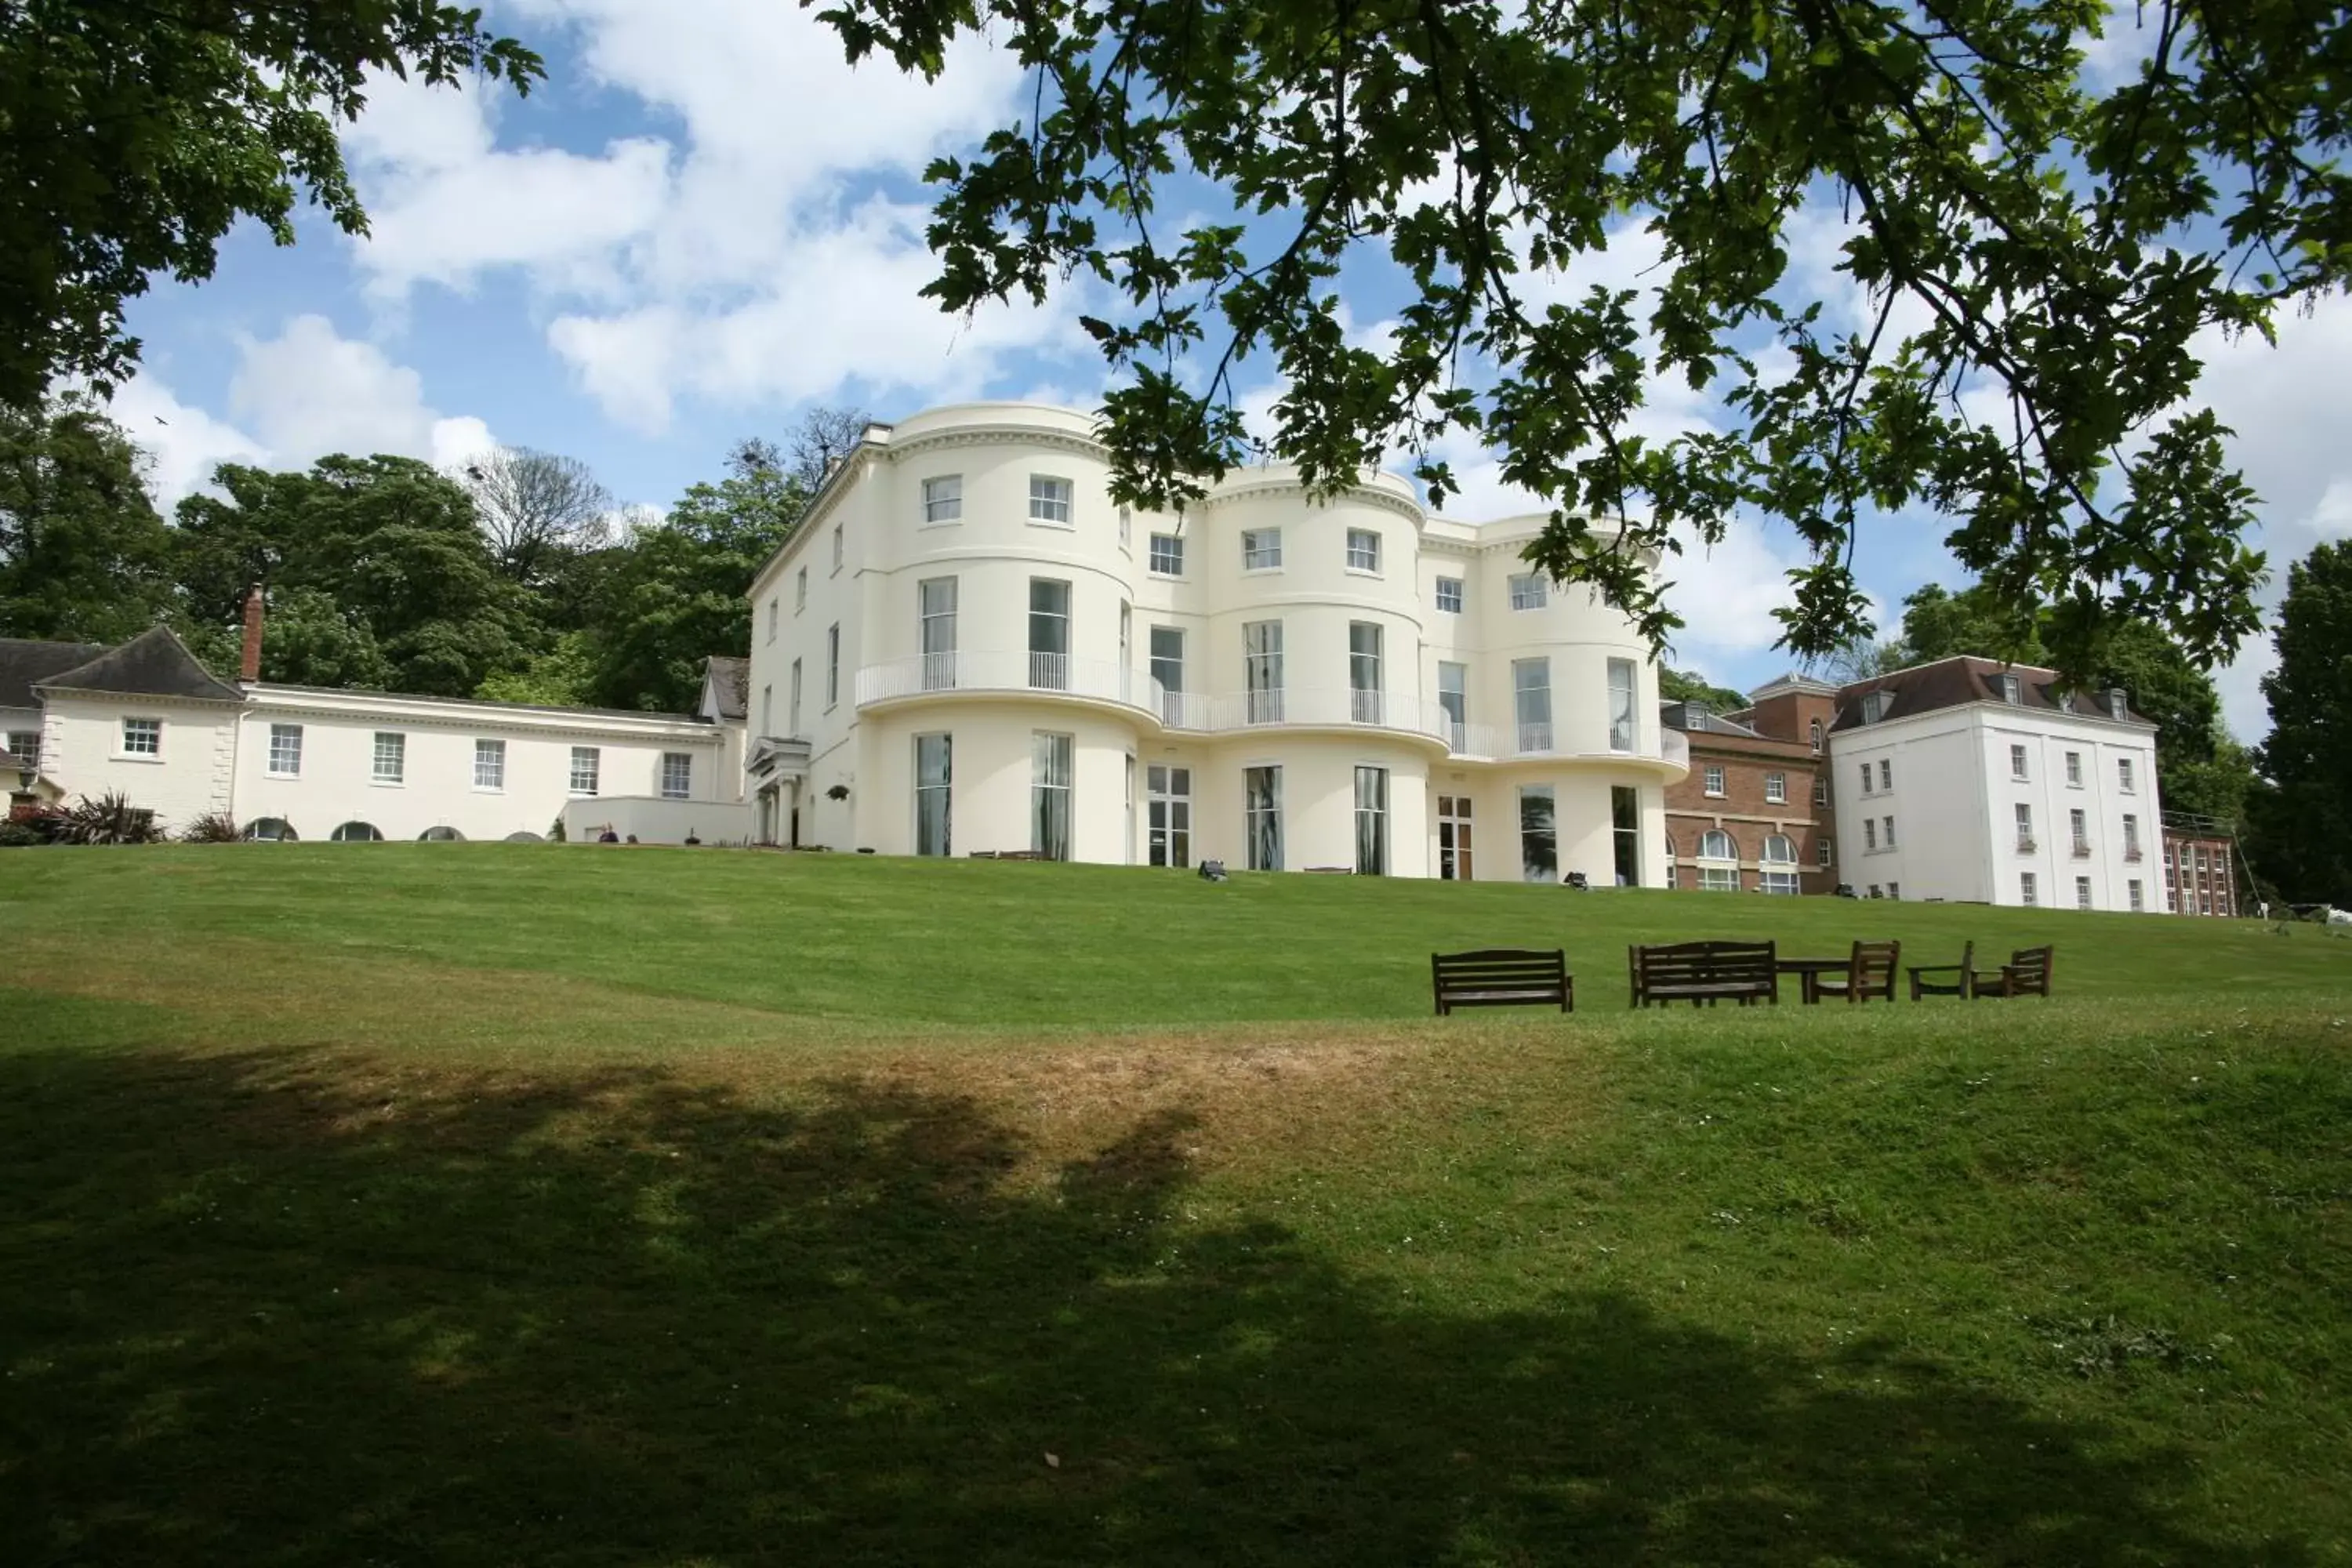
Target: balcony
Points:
x,y
994,673
1513,742
1294,708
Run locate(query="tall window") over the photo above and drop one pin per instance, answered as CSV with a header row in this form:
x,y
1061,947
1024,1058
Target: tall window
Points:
x,y
1528,592
1261,549
2024,826
836,547
1049,499
832,666
1719,862
1364,550
1049,633
2009,690
935,606
2079,827
2131,836
1822,853
775,610
800,591
1888,824
286,751
1127,530
2026,893
1624,732
2075,769
1779,864
1453,681
2124,774
1886,772
1372,821
678,775
1821,789
2139,900
1538,835
1167,555
1869,835
934,786
1261,670
2081,893
2017,762
490,765
943,498
1168,824
2119,706
586,765
390,763
1531,702
794,726
1449,595
1814,729
1049,796
1168,668
1262,816
1626,824
1364,671
1776,788
1453,845
1714,778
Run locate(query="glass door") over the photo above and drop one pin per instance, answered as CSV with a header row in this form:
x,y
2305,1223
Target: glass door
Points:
x,y
1168,801
1454,837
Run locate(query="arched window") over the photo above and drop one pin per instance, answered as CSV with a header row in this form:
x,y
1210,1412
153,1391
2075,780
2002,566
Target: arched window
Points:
x,y
272,830
1719,862
440,836
1814,729
1779,864
525,836
357,832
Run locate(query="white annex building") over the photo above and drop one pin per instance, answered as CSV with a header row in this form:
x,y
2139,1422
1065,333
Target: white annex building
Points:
x,y
1980,782
146,719
968,647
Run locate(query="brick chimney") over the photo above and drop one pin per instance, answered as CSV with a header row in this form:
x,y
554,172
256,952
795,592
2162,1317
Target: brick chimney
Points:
x,y
249,668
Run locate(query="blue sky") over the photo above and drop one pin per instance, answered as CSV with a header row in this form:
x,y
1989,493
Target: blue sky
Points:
x,y
704,222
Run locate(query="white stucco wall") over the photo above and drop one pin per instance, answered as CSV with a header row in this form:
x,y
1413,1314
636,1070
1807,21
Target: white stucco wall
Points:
x,y
193,773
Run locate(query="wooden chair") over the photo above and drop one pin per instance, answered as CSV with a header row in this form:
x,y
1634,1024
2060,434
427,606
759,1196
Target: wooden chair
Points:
x,y
1501,977
1871,974
1926,978
2027,974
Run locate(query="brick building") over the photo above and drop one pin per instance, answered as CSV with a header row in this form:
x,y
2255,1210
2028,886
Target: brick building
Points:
x,y
2200,868
1754,812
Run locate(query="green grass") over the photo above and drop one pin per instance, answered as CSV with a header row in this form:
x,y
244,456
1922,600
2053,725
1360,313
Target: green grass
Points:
x,y
479,1204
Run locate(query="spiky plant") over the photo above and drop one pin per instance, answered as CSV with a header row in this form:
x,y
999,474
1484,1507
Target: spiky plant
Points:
x,y
110,818
212,827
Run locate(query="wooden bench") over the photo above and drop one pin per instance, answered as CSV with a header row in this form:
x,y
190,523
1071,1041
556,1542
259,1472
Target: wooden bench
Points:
x,y
1501,977
1705,972
2027,974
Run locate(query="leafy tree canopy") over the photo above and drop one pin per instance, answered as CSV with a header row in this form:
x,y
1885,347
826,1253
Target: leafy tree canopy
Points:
x,y
2037,252
1689,686
136,133
2306,825
81,548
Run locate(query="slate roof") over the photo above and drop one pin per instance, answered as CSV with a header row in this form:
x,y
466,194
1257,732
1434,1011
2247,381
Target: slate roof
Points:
x,y
731,678
1693,719
24,663
153,664
1951,682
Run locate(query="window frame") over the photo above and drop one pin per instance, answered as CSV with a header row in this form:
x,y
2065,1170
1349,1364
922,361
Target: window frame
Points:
x,y
285,743
1531,736
398,776
1058,491
595,772
1527,590
1167,561
1260,550
493,752
150,730
832,666
1262,816
1363,551
1046,747
1776,789
1371,820
683,791
1625,711
1456,587
1712,780
943,501
944,788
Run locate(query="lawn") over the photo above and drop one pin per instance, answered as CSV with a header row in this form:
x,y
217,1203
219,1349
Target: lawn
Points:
x,y
487,1203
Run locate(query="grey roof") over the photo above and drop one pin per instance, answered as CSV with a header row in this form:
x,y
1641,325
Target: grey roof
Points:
x,y
153,664
1689,717
731,678
1964,678
265,689
24,664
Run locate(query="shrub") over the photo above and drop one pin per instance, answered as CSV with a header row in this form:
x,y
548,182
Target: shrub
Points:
x,y
212,827
108,819
20,832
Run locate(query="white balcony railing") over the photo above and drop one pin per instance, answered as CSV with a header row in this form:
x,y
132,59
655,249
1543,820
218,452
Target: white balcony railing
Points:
x,y
1102,680
1546,740
1333,710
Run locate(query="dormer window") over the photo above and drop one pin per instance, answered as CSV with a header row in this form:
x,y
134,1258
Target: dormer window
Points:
x,y
2009,690
2118,705
1874,707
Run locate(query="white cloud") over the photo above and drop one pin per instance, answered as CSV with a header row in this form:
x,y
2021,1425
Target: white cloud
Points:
x,y
750,260
294,398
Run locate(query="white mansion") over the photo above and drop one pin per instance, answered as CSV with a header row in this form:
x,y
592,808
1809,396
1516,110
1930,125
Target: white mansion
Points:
x,y
967,647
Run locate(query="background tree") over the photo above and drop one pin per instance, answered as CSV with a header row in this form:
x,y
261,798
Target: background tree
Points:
x,y
823,437
81,548
1689,686
537,509
137,132
2304,827
388,543
2017,233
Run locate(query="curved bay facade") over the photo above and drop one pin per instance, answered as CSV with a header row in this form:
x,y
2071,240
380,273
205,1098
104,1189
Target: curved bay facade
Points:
x,y
969,649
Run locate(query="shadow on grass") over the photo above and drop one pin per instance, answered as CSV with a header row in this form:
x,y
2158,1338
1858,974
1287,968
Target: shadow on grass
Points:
x,y
260,1312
